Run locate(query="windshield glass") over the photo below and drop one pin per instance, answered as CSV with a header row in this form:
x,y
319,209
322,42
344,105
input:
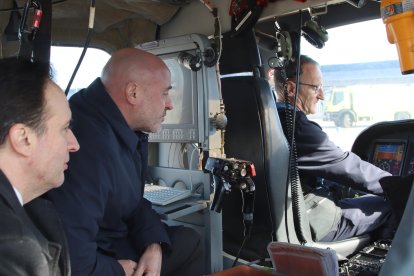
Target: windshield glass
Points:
x,y
64,60
363,83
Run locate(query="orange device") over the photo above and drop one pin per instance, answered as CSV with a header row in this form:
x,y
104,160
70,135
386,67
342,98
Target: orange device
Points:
x,y
398,16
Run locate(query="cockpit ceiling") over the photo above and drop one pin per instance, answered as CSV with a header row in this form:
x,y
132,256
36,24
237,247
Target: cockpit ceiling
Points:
x,y
120,22
348,14
126,23
110,13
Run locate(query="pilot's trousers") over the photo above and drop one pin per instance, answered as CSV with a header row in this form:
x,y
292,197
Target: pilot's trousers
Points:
x,y
362,215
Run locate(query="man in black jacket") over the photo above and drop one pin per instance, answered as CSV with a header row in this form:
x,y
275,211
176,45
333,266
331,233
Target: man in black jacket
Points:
x,y
111,228
35,142
318,157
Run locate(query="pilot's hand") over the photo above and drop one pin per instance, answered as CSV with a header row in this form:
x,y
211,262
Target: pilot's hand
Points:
x,y
128,266
150,262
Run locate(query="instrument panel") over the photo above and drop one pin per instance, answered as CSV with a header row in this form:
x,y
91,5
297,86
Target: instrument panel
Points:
x,y
389,146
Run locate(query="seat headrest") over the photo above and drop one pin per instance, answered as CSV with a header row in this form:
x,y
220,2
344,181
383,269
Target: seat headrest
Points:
x,y
240,53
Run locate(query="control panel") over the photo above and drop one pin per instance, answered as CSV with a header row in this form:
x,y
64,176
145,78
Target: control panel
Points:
x,y
367,261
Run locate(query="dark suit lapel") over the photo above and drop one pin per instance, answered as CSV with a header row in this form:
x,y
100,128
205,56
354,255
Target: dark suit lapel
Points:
x,y
41,218
7,192
48,222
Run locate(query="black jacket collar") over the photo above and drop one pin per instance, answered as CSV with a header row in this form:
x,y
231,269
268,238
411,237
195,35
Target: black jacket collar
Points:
x,y
96,96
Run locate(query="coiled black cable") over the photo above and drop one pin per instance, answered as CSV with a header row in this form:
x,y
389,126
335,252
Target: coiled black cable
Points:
x,y
293,174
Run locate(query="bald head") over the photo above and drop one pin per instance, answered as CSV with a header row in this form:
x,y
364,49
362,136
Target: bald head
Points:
x,y
138,82
130,64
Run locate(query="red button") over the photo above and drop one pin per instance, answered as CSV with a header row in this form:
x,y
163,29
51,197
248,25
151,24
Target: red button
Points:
x,y
252,170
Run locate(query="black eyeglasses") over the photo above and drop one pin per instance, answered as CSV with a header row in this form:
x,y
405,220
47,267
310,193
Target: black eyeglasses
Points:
x,y
315,87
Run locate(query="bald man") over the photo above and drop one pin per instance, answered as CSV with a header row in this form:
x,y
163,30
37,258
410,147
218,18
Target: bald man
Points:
x,y
111,228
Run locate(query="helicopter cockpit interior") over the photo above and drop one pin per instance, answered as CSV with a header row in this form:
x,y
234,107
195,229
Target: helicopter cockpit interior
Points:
x,y
224,139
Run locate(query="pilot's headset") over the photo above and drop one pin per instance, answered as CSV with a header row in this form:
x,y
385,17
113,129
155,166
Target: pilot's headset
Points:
x,y
288,42
314,33
287,48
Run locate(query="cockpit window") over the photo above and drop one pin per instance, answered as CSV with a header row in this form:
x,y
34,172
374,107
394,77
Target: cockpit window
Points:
x,y
362,79
64,61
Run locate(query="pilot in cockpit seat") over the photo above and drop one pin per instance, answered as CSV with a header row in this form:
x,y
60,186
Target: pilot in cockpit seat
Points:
x,y
318,157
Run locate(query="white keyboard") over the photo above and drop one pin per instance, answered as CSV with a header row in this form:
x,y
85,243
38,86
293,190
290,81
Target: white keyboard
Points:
x,y
161,195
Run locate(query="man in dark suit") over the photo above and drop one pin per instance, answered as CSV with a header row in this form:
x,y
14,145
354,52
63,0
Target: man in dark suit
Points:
x,y
319,157
111,228
35,142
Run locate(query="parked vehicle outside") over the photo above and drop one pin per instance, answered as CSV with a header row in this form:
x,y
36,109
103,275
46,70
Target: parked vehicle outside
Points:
x,y
351,104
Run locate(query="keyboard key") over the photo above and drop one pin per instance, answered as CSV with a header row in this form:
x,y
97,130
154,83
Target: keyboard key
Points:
x,y
161,195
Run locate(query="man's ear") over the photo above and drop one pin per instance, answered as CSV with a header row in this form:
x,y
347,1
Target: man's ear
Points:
x,y
132,91
291,86
21,139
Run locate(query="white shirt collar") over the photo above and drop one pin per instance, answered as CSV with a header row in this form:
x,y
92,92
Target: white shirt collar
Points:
x,y
19,195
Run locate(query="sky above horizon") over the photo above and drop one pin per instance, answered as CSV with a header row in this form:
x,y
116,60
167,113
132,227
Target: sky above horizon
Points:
x,y
348,44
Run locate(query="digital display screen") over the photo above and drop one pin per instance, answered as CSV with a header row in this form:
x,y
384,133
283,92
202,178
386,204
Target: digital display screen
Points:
x,y
388,156
181,123
181,93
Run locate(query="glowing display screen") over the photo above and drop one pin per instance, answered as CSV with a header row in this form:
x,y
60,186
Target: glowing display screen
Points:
x,y
388,156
